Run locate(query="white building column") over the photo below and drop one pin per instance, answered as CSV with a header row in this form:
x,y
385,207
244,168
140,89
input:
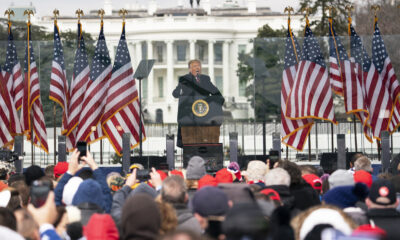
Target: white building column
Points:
x,y
211,60
132,52
138,54
170,71
150,78
192,48
225,67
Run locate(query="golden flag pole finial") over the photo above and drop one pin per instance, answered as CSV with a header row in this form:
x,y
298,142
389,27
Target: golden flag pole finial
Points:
x,y
307,11
79,12
29,13
56,13
101,14
9,12
122,13
375,8
288,10
330,10
349,9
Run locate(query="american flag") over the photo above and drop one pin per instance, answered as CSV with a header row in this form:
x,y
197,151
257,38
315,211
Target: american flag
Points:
x,y
7,109
32,119
89,127
121,113
355,91
78,85
59,85
294,132
344,69
382,88
338,60
311,95
58,82
12,72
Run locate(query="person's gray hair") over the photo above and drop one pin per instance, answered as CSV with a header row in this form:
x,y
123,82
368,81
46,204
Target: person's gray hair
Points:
x,y
363,163
173,190
277,176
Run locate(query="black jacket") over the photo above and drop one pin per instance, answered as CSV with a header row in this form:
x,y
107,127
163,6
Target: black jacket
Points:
x,y
304,196
189,90
387,219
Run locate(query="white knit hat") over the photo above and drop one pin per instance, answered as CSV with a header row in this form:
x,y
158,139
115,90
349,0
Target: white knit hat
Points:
x,y
70,189
255,171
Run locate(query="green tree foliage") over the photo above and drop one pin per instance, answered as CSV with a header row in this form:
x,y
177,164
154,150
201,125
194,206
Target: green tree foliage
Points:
x,y
388,19
319,15
264,65
43,49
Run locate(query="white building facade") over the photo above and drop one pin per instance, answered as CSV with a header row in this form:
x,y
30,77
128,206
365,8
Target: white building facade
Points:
x,y
172,37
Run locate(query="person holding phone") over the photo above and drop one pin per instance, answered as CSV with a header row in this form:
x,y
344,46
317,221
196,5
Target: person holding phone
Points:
x,y
76,163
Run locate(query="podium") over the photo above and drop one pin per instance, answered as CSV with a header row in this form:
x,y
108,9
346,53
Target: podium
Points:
x,y
200,130
200,134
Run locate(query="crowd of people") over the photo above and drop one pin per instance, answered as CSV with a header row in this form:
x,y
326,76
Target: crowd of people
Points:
x,y
260,201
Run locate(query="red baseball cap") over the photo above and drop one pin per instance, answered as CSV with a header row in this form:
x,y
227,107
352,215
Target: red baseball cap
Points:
x,y
363,177
163,175
314,181
60,169
271,193
176,172
224,176
207,180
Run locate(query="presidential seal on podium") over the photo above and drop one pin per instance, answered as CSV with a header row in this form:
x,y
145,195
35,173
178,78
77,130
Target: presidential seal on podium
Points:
x,y
200,108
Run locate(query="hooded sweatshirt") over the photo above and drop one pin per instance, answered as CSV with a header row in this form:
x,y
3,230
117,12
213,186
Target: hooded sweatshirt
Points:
x,y
141,218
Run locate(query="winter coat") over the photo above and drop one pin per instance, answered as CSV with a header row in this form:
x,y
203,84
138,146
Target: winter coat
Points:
x,y
387,219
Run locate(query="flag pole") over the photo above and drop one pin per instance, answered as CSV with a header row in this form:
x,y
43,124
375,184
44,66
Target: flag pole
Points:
x,y
29,13
288,9
330,10
376,8
349,9
101,14
307,12
55,12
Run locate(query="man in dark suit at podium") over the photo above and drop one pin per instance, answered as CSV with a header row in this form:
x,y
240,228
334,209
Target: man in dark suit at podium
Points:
x,y
191,87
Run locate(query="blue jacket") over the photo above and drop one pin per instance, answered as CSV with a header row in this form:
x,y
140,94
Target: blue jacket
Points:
x,y
99,177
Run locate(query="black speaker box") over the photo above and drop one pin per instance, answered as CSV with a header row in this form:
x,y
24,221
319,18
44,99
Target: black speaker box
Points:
x,y
159,163
329,161
211,153
245,159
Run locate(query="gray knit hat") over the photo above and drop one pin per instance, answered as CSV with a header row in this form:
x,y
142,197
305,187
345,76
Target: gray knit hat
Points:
x,y
340,177
195,169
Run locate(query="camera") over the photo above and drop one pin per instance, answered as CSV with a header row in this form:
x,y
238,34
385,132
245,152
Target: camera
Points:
x,y
142,175
8,155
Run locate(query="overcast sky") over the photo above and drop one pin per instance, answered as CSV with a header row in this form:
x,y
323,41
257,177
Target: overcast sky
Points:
x,y
68,7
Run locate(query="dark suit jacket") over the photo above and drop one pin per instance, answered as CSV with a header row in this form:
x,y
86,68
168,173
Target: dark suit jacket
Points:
x,y
189,90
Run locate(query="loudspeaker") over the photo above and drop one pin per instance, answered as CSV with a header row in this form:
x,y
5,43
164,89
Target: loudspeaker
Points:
x,y
211,153
62,148
19,149
329,161
233,146
159,163
170,150
126,152
245,159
